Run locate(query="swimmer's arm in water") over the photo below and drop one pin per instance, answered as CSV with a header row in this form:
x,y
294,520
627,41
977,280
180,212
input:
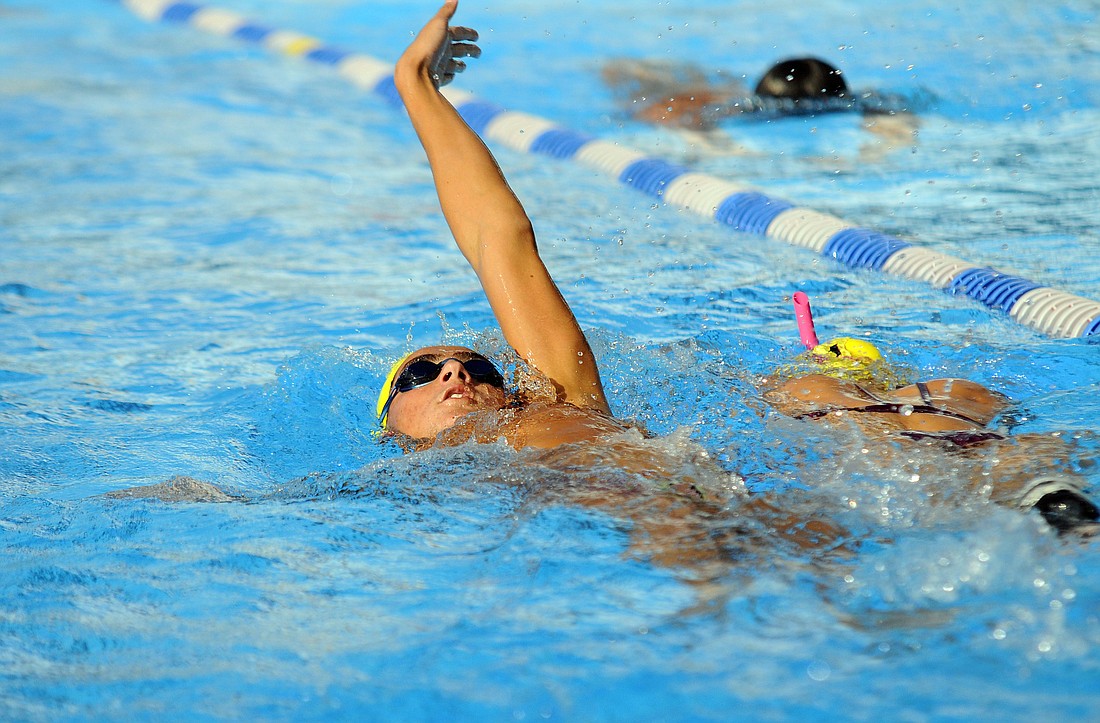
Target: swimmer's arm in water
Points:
x,y
490,225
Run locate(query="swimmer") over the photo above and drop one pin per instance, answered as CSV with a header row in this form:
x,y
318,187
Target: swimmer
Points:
x,y
453,391
685,97
854,388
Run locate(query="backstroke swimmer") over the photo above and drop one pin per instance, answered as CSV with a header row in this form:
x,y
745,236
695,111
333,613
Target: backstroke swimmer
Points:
x,y
434,389
448,395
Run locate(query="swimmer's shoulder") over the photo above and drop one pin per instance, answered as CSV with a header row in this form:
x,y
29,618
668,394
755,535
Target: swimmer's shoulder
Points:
x,y
537,424
546,425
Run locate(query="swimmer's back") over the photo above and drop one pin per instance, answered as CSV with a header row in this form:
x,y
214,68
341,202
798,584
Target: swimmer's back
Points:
x,y
945,405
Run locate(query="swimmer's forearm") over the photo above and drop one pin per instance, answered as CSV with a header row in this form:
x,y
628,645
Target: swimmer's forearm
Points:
x,y
482,211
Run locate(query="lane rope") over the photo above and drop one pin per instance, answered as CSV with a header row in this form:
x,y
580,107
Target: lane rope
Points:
x,y
1048,310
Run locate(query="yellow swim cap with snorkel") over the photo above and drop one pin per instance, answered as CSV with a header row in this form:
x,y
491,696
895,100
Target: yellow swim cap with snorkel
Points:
x,y
844,357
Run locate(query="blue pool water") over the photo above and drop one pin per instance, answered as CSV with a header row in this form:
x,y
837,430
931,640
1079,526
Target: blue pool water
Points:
x,y
209,255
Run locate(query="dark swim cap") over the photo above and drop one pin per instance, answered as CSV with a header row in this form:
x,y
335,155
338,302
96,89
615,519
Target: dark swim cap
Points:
x,y
802,78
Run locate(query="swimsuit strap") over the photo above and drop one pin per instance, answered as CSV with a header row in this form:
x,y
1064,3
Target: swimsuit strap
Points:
x,y
924,393
891,408
825,411
960,438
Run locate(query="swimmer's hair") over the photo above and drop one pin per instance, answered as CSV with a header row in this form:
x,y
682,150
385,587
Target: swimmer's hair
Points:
x,y
802,78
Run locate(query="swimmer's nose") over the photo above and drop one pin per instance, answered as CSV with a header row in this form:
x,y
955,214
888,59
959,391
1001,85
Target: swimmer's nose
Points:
x,y
452,370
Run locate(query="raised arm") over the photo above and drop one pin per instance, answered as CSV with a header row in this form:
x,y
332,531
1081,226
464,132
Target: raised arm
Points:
x,y
487,220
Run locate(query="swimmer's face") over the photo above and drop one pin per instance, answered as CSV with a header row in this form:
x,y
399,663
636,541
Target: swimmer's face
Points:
x,y
424,411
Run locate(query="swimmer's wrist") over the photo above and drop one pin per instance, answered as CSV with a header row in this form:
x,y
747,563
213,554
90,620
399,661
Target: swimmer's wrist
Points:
x,y
413,76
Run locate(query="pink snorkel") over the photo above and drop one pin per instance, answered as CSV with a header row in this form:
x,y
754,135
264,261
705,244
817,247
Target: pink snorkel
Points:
x,y
805,320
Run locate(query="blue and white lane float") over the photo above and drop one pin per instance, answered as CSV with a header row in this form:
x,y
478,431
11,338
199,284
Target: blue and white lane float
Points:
x,y
1048,310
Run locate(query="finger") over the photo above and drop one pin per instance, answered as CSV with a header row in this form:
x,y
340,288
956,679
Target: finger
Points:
x,y
465,50
448,10
455,66
459,32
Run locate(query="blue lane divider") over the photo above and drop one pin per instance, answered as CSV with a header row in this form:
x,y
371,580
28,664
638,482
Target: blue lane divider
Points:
x,y
180,12
250,33
1048,310
651,175
388,91
863,248
750,211
560,143
991,287
477,114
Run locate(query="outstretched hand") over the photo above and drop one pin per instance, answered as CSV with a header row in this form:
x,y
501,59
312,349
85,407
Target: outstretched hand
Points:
x,y
439,46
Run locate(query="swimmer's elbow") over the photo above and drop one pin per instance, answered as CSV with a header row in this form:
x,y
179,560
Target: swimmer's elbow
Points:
x,y
507,239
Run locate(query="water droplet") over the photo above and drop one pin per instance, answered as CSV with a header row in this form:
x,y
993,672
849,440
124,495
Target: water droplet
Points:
x,y
818,670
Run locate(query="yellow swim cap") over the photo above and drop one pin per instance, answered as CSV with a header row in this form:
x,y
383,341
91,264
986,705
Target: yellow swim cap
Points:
x,y
846,351
847,358
387,386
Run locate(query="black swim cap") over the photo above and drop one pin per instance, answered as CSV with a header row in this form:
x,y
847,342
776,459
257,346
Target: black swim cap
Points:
x,y
802,78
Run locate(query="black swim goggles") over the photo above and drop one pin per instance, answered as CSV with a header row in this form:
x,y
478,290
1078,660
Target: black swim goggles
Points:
x,y
425,371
